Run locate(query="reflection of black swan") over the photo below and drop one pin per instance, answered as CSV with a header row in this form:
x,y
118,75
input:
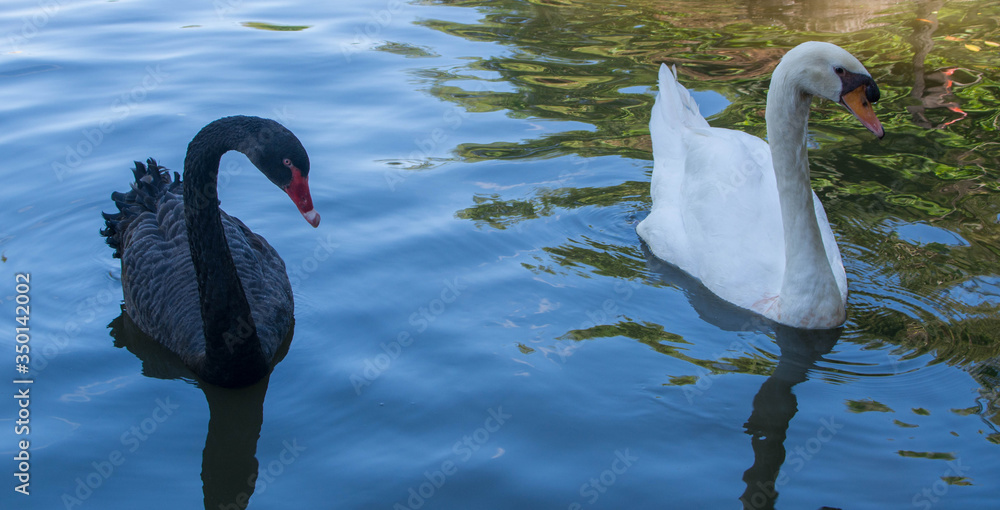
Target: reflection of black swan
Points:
x,y
229,466
196,279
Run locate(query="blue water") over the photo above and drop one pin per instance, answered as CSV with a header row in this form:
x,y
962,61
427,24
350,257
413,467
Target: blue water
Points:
x,y
440,360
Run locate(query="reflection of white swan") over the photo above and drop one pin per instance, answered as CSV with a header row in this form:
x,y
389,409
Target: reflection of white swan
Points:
x,y
740,216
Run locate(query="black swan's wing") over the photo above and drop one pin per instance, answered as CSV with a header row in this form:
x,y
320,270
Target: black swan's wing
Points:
x,y
265,283
158,279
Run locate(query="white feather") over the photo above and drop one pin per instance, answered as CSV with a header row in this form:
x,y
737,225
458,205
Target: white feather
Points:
x,y
716,209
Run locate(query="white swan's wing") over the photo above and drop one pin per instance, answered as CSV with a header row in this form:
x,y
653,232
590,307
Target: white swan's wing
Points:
x,y
673,115
715,209
832,250
731,216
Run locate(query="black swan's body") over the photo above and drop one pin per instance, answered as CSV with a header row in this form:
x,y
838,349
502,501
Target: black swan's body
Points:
x,y
196,279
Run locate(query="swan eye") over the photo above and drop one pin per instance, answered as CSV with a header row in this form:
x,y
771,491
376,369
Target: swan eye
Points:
x,y
840,71
287,162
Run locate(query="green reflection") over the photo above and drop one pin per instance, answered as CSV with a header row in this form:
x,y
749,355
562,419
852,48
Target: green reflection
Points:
x,y
672,345
406,50
271,26
956,480
865,406
926,455
492,210
595,62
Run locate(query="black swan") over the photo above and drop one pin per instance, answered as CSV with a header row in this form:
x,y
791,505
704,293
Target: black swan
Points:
x,y
196,279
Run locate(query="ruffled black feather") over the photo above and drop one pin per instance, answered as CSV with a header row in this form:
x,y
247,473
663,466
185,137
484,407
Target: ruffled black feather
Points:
x,y
151,182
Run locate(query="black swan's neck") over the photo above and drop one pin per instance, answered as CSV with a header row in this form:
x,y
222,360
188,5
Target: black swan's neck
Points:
x,y
233,353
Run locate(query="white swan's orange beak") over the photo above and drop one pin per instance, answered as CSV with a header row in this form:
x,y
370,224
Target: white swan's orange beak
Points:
x,y
298,191
857,103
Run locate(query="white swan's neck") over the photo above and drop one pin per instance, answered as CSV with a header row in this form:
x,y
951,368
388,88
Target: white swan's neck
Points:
x,y
809,289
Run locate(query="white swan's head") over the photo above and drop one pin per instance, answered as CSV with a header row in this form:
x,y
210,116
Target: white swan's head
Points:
x,y
827,70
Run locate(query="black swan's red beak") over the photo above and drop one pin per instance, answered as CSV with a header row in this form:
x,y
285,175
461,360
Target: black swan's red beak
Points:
x,y
298,191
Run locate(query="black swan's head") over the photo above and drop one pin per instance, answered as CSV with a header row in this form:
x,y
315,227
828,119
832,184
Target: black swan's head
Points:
x,y
279,155
271,147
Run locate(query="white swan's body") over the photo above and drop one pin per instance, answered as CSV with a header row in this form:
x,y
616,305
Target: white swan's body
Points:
x,y
739,214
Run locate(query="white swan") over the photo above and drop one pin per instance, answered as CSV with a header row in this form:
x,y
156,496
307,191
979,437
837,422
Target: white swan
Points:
x,y
739,215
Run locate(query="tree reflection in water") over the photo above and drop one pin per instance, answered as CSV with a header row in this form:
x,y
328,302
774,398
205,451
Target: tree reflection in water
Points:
x,y
586,62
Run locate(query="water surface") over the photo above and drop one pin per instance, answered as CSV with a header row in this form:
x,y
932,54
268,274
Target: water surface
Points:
x,y
477,323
